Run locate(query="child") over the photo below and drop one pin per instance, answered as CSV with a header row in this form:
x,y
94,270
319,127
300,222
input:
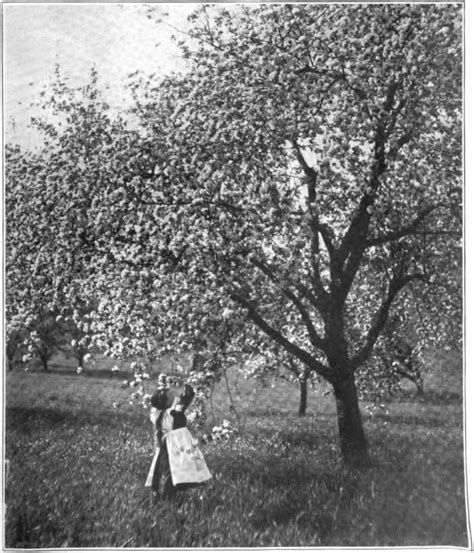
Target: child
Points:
x,y
178,463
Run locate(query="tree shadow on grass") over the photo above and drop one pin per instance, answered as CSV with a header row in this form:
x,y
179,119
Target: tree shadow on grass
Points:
x,y
291,490
314,500
325,433
26,418
19,417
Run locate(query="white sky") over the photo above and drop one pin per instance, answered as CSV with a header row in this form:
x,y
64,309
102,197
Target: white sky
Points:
x,y
117,39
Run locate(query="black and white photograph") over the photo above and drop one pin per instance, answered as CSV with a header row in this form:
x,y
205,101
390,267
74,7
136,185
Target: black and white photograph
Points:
x,y
234,276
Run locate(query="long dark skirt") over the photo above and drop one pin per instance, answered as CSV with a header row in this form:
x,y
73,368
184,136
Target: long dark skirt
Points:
x,y
162,484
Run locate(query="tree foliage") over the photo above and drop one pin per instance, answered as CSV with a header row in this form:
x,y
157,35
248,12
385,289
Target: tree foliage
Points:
x,y
303,176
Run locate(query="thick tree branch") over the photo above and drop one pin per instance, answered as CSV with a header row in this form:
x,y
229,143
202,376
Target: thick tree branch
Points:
x,y
315,339
310,177
354,241
276,336
328,240
355,235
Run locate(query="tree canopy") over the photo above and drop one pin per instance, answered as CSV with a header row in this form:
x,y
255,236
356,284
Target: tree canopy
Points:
x,y
303,177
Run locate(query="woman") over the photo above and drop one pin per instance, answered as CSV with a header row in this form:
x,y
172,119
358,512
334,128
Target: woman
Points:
x,y
187,467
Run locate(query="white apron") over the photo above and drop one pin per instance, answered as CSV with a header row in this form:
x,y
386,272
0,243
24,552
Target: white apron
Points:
x,y
187,464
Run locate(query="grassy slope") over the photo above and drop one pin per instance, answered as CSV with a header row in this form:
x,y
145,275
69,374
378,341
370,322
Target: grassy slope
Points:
x,y
78,467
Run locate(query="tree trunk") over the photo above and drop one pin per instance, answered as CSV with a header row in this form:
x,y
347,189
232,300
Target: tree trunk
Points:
x,y
303,397
351,432
44,362
420,390
79,356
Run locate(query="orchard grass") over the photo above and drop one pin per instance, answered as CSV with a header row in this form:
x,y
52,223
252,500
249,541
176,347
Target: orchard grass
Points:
x,y
77,468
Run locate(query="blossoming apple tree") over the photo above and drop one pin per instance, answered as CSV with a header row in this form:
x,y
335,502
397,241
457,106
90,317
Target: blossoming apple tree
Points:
x,y
303,176
310,164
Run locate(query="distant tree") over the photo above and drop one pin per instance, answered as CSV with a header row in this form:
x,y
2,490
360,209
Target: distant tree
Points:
x,y
302,375
76,324
14,349
267,365
47,340
43,337
397,350
310,163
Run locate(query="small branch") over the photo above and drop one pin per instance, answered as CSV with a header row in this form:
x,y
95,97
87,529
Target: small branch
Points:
x,y
310,174
211,393
353,243
328,241
395,286
404,231
308,170
233,409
